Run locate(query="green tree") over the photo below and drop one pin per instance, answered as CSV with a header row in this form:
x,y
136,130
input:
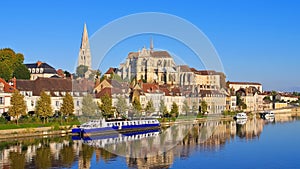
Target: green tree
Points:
x,y
43,107
21,72
18,105
150,107
89,107
81,70
67,107
163,109
186,107
106,106
195,107
174,110
121,105
203,105
11,64
137,105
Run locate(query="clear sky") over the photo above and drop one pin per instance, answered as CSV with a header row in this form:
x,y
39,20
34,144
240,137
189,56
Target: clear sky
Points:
x,y
257,40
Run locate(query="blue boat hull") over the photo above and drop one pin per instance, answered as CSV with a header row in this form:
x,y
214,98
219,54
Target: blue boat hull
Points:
x,y
82,131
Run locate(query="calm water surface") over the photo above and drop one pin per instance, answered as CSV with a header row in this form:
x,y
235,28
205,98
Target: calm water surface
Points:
x,y
256,144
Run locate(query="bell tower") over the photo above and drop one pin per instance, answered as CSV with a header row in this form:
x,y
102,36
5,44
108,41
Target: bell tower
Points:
x,y
84,57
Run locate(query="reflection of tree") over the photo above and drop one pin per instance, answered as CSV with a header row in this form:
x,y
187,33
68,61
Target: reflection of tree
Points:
x,y
86,154
106,155
17,160
67,156
43,158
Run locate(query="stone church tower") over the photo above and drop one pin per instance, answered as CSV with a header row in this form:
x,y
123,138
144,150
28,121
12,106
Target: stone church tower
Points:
x,y
84,57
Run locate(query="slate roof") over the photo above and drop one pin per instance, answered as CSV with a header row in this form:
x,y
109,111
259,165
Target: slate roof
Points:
x,y
47,68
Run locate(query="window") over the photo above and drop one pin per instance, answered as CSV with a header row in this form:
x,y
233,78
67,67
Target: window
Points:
x,y
57,103
1,100
78,102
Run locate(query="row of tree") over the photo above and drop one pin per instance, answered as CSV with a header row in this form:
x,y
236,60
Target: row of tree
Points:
x,y
43,107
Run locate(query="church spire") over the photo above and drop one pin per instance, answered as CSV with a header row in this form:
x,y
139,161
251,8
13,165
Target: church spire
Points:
x,y
151,44
84,57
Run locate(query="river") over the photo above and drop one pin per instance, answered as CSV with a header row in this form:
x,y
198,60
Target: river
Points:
x,y
213,144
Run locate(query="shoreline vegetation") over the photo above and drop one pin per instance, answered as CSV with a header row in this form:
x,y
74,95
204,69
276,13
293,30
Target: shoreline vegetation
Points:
x,y
36,129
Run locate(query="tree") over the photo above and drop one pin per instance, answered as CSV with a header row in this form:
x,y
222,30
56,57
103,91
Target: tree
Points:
x,y
186,107
67,107
43,107
195,107
163,109
174,110
106,106
121,105
240,103
137,105
203,105
21,72
89,107
81,70
150,107
18,105
11,64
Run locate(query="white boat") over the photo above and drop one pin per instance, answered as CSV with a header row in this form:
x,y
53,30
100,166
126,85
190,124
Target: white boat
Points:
x,y
241,115
268,114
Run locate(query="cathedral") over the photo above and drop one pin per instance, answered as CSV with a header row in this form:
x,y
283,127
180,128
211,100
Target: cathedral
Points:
x,y
154,67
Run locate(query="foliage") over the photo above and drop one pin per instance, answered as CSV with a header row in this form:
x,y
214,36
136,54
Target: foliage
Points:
x,y
163,108
81,70
240,103
67,107
121,105
186,107
174,110
43,108
137,105
11,64
195,107
21,72
18,106
106,106
150,107
89,107
203,105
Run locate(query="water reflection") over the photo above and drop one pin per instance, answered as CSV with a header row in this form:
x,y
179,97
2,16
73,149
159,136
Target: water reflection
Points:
x,y
63,152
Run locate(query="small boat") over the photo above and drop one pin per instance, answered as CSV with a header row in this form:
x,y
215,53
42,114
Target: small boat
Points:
x,y
103,126
241,115
268,114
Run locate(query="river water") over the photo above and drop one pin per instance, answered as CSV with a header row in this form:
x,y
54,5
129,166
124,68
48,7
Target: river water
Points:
x,y
213,144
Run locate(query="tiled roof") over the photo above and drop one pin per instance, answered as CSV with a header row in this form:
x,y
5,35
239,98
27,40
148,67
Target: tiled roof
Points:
x,y
53,85
149,87
110,70
7,87
161,54
244,83
184,68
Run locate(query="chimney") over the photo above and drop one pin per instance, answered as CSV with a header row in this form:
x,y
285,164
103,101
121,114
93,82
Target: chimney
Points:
x,y
39,63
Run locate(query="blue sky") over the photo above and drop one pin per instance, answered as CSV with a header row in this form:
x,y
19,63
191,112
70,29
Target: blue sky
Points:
x,y
256,40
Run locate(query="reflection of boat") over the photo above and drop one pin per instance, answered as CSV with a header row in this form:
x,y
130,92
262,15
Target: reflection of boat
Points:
x,y
112,139
103,126
241,121
268,114
242,115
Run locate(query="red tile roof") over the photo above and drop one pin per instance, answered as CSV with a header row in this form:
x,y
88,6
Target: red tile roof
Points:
x,y
7,87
